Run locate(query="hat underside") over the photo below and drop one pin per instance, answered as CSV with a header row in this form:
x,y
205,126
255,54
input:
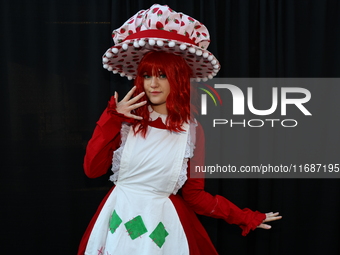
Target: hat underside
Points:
x,y
124,58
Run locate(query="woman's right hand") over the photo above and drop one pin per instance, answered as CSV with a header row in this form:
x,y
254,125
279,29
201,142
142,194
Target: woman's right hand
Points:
x,y
128,104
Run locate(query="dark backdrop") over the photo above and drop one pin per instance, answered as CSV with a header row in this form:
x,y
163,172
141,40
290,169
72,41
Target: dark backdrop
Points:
x,y
53,89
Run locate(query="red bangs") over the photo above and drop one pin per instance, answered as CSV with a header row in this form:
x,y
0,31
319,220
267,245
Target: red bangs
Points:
x,y
152,64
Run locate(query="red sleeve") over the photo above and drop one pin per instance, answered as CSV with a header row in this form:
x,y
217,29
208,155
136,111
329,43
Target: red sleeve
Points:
x,y
105,139
216,206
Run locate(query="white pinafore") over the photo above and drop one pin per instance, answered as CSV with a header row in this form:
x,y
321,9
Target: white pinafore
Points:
x,y
138,217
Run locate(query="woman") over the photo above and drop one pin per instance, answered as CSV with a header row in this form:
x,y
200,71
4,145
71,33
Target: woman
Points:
x,y
153,137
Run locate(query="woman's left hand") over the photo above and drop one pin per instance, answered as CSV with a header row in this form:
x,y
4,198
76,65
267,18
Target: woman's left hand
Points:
x,y
269,217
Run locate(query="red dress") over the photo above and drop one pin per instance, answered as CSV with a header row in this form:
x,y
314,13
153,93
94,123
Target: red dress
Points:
x,y
193,199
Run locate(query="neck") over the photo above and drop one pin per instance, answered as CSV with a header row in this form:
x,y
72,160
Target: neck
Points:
x,y
160,109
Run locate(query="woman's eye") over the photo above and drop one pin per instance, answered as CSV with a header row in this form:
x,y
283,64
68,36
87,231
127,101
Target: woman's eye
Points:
x,y
162,76
146,76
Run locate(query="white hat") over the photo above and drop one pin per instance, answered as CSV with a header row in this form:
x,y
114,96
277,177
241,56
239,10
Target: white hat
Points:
x,y
159,28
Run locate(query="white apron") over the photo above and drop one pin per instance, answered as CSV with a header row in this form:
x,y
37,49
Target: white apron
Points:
x,y
138,217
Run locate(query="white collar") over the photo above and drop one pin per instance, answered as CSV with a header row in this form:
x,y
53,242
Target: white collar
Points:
x,y
155,115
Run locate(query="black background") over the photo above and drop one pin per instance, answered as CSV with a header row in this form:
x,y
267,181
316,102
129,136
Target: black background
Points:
x,y
53,89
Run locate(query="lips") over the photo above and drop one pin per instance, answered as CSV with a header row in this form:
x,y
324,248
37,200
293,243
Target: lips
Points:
x,y
155,93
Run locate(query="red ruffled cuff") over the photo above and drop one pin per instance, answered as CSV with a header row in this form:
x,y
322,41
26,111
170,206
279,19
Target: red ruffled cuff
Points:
x,y
254,220
111,109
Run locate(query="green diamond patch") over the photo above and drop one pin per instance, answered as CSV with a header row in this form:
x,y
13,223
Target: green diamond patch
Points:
x,y
159,234
115,221
135,227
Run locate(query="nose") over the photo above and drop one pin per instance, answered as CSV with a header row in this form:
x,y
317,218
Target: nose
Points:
x,y
154,82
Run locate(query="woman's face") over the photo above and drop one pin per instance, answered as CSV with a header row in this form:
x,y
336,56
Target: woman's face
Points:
x,y
157,89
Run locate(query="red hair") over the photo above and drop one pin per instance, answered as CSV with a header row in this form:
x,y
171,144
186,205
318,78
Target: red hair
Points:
x,y
178,74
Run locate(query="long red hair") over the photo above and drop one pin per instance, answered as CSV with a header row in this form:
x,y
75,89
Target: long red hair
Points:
x,y
178,74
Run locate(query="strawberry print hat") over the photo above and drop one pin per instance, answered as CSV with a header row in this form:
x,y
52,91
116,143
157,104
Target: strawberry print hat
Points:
x,y
159,28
